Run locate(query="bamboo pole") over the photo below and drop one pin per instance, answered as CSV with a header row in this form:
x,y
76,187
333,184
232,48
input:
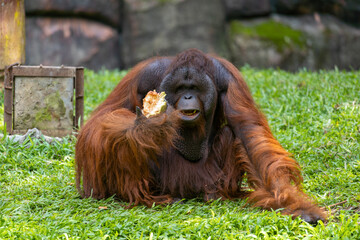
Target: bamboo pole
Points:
x,y
12,33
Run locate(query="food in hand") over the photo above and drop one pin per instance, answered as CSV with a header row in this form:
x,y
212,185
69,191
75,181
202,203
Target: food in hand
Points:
x,y
154,103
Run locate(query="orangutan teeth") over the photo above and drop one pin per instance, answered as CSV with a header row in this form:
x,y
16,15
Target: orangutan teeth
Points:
x,y
189,112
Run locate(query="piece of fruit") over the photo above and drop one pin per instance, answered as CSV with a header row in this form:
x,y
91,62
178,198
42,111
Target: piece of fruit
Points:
x,y
154,103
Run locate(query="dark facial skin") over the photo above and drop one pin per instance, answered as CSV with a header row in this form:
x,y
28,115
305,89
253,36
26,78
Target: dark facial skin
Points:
x,y
194,94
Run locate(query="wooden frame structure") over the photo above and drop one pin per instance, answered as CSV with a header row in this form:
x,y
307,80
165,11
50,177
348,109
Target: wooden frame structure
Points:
x,y
16,70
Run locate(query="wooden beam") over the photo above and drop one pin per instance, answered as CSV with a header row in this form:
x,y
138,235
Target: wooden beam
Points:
x,y
12,33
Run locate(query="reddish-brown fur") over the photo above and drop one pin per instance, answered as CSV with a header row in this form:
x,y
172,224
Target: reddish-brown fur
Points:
x,y
115,155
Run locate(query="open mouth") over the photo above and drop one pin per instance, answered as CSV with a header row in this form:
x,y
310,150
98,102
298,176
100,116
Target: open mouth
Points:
x,y
189,114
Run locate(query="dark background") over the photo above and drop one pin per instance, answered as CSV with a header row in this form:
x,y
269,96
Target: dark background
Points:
x,y
289,34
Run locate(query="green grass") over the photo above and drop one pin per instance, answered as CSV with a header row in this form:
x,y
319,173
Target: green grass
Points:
x,y
316,116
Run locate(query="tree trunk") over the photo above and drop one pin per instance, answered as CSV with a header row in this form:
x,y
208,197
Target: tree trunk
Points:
x,y
12,33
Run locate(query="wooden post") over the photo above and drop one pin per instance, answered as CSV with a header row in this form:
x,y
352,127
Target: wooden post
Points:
x,y
12,34
79,98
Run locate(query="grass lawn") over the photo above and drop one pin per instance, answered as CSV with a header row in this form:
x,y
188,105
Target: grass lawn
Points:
x,y
315,116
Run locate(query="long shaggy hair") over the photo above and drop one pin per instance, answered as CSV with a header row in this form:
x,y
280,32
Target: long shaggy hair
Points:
x,y
136,160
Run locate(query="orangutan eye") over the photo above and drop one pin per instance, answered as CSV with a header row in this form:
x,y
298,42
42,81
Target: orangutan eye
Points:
x,y
180,88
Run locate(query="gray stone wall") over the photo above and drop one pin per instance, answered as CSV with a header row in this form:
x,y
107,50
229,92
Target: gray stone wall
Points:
x,y
290,34
50,109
